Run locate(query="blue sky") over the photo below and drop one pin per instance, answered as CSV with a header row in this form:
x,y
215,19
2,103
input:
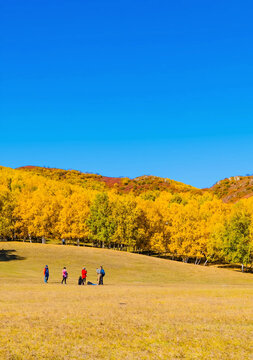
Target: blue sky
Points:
x,y
126,88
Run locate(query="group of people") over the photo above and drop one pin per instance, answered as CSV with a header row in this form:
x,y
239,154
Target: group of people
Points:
x,y
100,277
83,277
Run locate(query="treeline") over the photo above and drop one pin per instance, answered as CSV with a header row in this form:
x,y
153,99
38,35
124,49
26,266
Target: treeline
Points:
x,y
180,225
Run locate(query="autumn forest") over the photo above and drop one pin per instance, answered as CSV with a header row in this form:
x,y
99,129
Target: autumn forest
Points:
x,y
147,214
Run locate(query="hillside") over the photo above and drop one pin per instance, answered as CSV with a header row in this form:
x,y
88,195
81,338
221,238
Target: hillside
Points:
x,y
234,188
25,261
228,190
147,214
137,186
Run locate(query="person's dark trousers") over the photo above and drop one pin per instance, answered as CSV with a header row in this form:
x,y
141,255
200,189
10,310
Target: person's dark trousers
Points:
x,y
63,280
84,281
46,278
101,282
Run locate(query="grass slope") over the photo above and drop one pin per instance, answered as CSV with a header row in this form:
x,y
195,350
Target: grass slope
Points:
x,y
149,309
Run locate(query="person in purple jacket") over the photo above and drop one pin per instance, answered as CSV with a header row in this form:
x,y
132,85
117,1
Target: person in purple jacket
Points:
x,y
64,275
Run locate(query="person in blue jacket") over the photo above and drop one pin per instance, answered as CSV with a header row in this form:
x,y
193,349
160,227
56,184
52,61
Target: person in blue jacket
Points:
x,y
46,274
102,274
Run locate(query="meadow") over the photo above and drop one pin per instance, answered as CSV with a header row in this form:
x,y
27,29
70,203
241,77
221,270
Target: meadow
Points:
x,y
149,308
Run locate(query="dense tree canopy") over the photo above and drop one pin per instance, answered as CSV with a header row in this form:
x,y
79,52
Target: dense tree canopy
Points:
x,y
186,224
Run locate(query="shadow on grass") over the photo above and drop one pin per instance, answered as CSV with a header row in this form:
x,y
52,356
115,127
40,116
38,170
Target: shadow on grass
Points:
x,y
8,255
235,267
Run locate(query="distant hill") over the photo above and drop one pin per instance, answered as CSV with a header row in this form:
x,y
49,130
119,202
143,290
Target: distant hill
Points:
x,y
122,185
234,188
229,190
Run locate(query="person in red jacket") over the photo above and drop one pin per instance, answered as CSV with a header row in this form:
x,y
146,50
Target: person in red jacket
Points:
x,y
84,275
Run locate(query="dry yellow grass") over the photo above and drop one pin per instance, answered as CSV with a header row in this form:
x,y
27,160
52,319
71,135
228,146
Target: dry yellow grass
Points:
x,y
149,308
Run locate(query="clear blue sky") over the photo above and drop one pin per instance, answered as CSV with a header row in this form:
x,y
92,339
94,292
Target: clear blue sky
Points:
x,y
126,88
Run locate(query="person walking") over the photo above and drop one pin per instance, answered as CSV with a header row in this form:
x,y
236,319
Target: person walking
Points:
x,y
46,274
102,274
84,275
64,275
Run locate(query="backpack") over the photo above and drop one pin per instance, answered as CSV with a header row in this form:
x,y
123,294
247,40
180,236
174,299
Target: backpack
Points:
x,y
80,280
102,272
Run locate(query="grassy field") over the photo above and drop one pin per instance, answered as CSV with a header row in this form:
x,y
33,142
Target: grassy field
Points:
x,y
149,308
